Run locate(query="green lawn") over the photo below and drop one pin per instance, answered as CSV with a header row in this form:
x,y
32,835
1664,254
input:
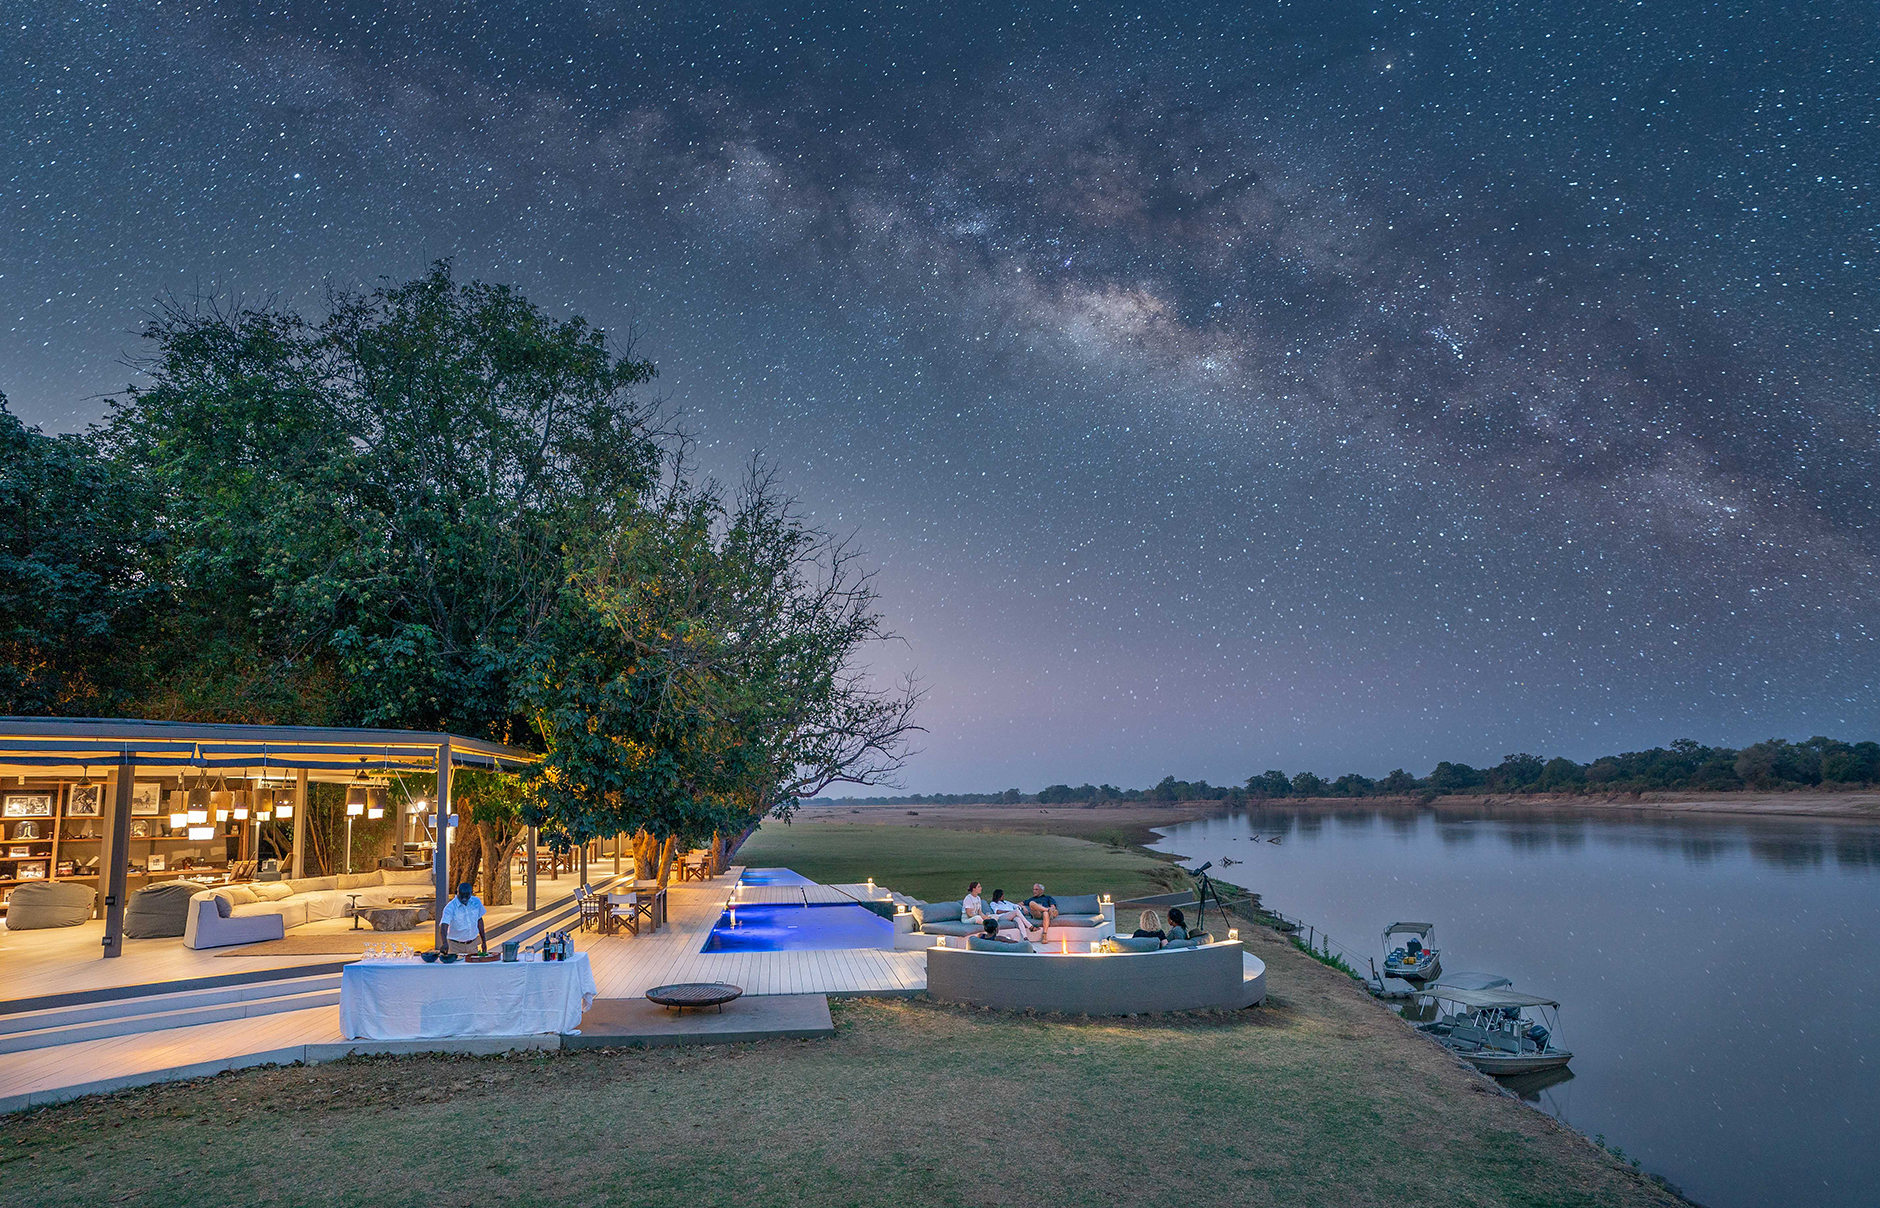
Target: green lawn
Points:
x,y
934,864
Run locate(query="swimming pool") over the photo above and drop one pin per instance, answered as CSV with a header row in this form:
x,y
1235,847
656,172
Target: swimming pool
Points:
x,y
773,876
766,927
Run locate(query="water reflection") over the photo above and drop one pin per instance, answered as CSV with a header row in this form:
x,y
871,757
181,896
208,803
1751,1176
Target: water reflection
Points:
x,y
1530,1086
1716,976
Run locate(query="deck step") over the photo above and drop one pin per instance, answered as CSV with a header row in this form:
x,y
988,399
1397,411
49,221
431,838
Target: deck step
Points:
x,y
157,1012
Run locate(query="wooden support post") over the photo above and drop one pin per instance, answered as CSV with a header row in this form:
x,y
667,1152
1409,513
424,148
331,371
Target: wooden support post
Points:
x,y
114,869
617,839
440,855
531,873
303,825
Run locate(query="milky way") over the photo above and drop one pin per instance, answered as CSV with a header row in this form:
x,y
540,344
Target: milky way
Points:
x,y
1297,386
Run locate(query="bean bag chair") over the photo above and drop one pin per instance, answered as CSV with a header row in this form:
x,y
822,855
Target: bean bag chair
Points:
x,y
50,904
158,911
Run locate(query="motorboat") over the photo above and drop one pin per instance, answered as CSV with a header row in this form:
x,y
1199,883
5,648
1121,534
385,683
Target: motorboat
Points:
x,y
1414,959
1492,1030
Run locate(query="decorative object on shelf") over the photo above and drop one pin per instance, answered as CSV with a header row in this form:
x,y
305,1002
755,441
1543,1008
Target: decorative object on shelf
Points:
x,y
19,849
140,829
34,870
85,801
155,862
146,799
67,868
27,805
26,830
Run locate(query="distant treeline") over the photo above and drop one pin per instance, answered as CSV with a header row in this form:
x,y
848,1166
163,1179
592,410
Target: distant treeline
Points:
x,y
1775,764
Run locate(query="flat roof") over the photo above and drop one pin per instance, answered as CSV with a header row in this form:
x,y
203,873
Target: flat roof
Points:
x,y
57,746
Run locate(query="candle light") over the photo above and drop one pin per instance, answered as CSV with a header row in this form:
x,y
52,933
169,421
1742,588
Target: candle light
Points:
x,y
1233,933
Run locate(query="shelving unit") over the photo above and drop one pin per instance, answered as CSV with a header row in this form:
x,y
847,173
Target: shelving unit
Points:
x,y
63,839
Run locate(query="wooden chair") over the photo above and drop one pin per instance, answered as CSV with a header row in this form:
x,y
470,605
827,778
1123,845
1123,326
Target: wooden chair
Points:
x,y
623,909
593,912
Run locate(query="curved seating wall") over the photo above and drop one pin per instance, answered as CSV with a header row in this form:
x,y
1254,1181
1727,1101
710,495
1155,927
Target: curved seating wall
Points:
x,y
1219,975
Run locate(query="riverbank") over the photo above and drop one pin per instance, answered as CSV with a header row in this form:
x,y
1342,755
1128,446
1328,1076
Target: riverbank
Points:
x,y
1131,821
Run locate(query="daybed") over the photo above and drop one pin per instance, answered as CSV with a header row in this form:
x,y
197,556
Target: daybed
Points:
x,y
244,914
1214,975
1081,918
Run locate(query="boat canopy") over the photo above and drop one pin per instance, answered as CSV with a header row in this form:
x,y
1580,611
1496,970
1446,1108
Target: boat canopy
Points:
x,y
1422,929
1474,981
1487,1000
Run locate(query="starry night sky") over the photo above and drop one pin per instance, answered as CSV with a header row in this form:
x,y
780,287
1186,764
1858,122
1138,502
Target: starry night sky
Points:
x,y
1284,385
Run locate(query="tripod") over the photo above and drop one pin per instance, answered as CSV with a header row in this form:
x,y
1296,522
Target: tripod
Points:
x,y
1205,889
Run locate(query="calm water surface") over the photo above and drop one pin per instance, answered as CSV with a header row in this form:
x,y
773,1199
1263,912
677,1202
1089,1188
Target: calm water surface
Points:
x,y
1719,980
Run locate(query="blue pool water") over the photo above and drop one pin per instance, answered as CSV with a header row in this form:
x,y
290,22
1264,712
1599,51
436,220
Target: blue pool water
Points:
x,y
770,928
774,876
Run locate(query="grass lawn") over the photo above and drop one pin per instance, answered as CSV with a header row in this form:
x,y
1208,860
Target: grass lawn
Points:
x,y
934,864
1320,1097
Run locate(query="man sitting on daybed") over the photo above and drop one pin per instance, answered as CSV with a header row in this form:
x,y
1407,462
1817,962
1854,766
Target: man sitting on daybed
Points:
x,y
1043,907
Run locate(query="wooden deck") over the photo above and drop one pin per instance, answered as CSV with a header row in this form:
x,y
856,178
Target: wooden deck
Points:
x,y
625,966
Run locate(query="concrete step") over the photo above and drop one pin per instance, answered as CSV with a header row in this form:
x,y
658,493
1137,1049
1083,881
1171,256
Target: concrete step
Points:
x,y
157,1012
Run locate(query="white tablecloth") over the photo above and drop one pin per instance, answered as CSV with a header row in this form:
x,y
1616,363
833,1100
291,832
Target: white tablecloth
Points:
x,y
410,1000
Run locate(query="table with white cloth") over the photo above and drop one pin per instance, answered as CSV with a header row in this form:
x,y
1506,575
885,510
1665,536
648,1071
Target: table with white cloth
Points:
x,y
412,1000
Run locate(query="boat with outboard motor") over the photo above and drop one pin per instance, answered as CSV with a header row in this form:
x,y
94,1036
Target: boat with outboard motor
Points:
x,y
1489,1029
1413,960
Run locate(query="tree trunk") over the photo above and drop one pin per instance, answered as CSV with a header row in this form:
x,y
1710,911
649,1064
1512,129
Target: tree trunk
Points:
x,y
466,856
499,845
668,851
718,854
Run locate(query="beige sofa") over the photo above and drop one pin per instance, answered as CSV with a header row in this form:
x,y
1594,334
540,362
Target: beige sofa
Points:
x,y
264,910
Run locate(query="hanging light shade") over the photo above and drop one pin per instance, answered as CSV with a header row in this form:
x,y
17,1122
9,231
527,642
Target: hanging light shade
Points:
x,y
265,813
356,793
198,816
284,803
221,815
200,833
179,820
178,800
355,808
199,796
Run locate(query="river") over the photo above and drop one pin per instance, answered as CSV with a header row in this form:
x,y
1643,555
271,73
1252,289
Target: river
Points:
x,y
1719,979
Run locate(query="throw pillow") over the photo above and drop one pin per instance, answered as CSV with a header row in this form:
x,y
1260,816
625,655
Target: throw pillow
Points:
x,y
221,905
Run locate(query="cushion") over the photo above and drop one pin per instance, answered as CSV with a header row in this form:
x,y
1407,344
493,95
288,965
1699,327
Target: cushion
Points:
x,y
293,912
1083,903
222,906
41,904
273,891
406,876
1078,920
252,909
1180,944
358,880
158,911
1125,943
314,884
938,912
960,927
980,943
241,895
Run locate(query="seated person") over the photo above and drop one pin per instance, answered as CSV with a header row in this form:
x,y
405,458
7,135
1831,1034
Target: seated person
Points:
x,y
1043,907
1177,924
1149,926
992,928
1003,912
972,906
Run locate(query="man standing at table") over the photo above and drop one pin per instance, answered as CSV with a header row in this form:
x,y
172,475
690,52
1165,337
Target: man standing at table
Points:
x,y
462,922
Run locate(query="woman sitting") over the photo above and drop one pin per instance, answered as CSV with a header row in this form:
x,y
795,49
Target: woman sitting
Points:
x,y
972,906
1149,926
1008,914
1177,924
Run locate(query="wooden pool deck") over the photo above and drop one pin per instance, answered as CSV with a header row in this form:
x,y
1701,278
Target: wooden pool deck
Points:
x,y
625,967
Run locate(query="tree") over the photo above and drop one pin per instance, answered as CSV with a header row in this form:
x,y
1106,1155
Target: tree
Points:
x,y
77,605
1456,778
1271,783
1516,773
1399,783
1308,784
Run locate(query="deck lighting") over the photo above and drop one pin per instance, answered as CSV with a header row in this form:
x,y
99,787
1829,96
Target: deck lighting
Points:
x,y
939,941
1233,933
1096,947
200,833
1106,899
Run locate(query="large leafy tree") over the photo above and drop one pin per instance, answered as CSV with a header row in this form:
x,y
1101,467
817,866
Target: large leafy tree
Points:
x,y
79,609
